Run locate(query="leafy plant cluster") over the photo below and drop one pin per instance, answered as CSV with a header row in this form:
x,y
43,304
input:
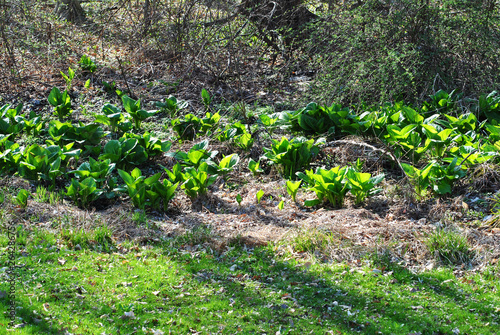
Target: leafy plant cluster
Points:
x,y
449,140
191,126
109,157
332,185
103,159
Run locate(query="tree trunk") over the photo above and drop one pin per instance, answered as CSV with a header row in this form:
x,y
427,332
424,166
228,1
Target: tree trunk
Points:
x,y
147,19
280,17
70,10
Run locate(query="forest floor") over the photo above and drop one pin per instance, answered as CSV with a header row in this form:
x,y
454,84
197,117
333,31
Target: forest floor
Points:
x,y
222,265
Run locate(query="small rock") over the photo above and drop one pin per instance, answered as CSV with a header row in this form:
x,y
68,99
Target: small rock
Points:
x,y
422,221
487,217
438,225
128,315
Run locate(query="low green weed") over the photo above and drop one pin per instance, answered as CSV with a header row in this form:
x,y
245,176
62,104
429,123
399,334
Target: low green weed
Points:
x,y
197,180
55,198
87,64
140,217
41,194
449,247
83,192
292,156
74,237
313,241
328,185
362,185
133,108
124,152
61,103
196,236
68,78
254,167
140,188
103,238
172,106
292,188
21,199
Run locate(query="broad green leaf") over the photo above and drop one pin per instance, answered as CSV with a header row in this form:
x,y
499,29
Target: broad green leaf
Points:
x,y
259,195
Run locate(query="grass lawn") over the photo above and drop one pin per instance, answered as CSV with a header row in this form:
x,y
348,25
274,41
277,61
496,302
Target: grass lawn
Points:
x,y
182,286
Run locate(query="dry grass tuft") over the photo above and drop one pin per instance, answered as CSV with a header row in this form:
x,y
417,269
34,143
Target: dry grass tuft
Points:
x,y
484,178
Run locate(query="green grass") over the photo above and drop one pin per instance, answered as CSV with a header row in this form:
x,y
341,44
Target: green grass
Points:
x,y
239,290
449,247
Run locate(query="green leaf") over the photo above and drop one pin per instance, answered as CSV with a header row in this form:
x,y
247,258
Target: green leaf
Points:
x,y
292,188
259,195
71,73
130,105
244,141
312,202
55,97
22,198
205,97
152,180
136,173
228,162
127,178
254,167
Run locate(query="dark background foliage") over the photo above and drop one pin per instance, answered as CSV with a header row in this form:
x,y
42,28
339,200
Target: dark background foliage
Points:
x,y
349,52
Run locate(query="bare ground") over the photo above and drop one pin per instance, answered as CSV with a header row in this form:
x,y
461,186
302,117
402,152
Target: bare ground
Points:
x,y
383,226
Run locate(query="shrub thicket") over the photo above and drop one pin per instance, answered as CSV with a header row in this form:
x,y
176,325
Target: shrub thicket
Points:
x,y
404,50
